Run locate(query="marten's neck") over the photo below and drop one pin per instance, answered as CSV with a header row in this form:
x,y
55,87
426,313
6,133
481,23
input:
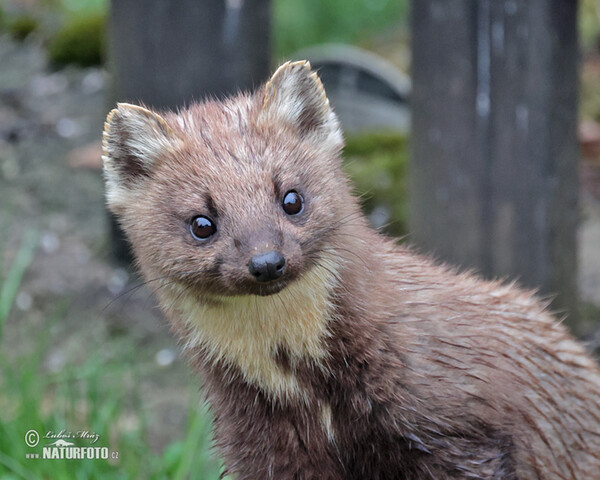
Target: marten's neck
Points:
x,y
249,334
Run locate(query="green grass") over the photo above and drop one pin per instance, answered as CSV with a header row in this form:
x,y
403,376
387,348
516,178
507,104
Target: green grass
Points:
x,y
12,280
99,394
93,397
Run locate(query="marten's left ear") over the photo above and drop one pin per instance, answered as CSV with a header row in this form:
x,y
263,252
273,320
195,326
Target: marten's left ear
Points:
x,y
134,140
295,94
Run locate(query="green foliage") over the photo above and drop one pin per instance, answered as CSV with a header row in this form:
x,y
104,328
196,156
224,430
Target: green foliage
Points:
x,y
377,164
22,26
82,6
98,395
589,28
81,41
589,24
298,24
589,108
295,25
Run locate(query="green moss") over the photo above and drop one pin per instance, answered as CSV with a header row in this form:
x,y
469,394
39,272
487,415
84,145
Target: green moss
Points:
x,y
589,320
378,141
22,26
377,164
81,42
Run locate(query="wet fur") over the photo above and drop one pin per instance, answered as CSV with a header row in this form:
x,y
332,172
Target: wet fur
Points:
x,y
370,362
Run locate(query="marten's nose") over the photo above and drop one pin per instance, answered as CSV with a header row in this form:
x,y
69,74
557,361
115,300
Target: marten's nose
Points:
x,y
267,266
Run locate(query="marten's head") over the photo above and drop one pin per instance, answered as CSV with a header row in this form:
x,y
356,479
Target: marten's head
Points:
x,y
239,197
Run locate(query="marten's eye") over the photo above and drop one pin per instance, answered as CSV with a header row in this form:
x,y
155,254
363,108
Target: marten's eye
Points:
x,y
292,203
202,227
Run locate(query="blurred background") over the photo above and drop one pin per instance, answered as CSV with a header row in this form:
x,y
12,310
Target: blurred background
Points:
x,y
473,133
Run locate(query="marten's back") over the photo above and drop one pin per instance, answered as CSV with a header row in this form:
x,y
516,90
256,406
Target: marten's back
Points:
x,y
488,356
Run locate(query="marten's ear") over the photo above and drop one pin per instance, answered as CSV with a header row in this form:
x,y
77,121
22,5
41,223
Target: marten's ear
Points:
x,y
295,94
134,140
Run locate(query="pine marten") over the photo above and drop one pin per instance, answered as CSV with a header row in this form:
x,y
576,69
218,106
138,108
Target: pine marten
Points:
x,y
326,350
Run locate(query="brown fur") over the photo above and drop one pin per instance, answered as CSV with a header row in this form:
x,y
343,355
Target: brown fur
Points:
x,y
366,361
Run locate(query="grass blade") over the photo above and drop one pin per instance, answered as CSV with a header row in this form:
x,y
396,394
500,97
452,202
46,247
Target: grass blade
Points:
x,y
10,284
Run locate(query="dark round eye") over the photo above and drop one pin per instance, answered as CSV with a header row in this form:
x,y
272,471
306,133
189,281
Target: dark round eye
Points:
x,y
293,203
202,227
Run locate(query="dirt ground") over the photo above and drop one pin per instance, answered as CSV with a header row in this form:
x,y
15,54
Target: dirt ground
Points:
x,y
73,288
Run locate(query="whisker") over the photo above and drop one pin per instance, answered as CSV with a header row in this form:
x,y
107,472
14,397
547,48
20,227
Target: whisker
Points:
x,y
131,291
347,250
174,277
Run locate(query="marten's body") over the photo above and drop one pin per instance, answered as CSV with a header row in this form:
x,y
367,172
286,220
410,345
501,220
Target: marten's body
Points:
x,y
327,351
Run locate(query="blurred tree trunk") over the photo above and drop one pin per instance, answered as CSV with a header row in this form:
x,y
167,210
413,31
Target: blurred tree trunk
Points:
x,y
494,163
168,53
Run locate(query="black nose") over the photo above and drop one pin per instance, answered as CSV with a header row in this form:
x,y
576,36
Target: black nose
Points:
x,y
267,266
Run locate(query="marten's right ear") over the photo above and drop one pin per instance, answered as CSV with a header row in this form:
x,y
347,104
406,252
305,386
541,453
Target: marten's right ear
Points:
x,y
134,140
